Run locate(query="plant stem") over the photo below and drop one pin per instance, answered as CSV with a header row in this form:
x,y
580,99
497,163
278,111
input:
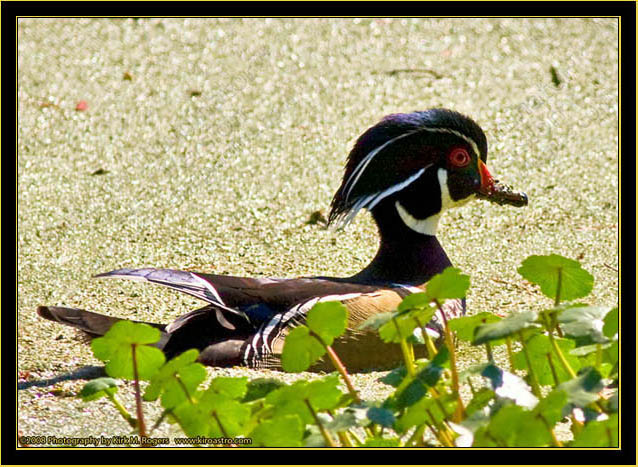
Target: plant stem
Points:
x,y
558,287
322,429
535,387
138,395
354,436
549,428
488,349
449,340
122,410
469,383
510,353
561,358
219,422
344,436
440,307
436,434
599,356
417,436
183,386
338,364
444,436
577,426
429,345
551,367
160,420
460,409
405,350
345,439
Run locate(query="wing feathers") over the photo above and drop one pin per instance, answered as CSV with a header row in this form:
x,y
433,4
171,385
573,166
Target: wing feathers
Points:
x,y
183,281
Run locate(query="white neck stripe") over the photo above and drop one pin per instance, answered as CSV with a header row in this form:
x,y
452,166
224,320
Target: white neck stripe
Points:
x,y
426,226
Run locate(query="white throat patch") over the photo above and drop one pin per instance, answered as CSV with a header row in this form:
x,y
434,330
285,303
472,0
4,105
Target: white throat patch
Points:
x,y
429,225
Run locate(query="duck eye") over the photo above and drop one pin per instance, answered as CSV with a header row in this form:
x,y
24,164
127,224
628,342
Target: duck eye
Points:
x,y
459,157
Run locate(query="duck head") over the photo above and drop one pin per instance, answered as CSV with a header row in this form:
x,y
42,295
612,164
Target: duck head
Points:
x,y
409,168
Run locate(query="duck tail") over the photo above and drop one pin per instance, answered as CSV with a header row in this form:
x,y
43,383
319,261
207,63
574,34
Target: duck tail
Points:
x,y
94,324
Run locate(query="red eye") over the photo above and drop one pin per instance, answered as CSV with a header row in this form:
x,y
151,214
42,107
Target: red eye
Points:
x,y
459,157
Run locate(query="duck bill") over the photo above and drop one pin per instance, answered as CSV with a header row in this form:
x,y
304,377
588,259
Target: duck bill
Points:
x,y
496,192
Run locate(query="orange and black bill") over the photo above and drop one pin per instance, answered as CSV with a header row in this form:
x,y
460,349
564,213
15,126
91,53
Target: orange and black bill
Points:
x,y
496,192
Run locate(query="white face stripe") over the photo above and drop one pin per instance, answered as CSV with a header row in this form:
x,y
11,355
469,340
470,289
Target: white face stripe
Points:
x,y
469,140
372,200
366,160
358,171
395,188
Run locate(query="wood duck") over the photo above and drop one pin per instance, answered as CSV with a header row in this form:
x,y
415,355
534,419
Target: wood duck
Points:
x,y
406,170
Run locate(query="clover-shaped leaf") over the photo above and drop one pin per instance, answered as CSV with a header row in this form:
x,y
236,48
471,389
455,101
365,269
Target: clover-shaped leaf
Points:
x,y
451,283
551,407
480,399
193,419
584,323
324,393
232,387
427,410
176,380
575,282
380,442
514,426
415,301
328,320
301,350
582,390
506,327
376,320
283,431
610,328
602,433
466,325
98,388
261,387
228,416
321,394
428,375
540,353
117,345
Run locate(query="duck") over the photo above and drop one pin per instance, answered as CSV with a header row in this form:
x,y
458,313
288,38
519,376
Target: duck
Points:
x,y
406,170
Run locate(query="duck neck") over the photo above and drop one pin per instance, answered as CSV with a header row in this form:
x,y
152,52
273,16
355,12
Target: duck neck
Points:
x,y
405,256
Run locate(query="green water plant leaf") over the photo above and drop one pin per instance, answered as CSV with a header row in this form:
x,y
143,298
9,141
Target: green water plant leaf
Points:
x,y
539,347
465,326
283,431
575,282
300,350
98,388
506,327
328,320
451,283
586,323
177,380
117,345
